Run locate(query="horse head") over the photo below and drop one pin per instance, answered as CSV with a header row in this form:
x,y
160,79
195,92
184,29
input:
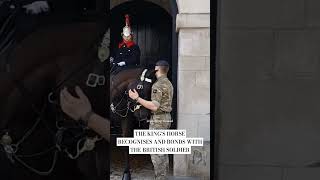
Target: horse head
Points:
x,y
143,87
122,106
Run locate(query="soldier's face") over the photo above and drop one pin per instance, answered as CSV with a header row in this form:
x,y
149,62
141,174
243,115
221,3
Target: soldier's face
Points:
x,y
157,69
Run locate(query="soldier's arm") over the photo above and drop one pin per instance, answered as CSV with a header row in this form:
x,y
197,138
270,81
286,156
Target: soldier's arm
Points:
x,y
80,108
153,105
100,125
148,104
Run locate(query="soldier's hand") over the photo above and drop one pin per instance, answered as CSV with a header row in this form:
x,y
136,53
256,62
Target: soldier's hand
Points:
x,y
133,94
76,108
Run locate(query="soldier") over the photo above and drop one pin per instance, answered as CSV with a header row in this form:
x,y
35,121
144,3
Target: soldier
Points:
x,y
160,105
128,52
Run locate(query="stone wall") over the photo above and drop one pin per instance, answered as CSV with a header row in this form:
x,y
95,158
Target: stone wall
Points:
x,y
193,25
269,89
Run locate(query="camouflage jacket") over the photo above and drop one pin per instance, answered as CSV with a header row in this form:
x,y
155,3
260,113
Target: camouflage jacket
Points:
x,y
161,95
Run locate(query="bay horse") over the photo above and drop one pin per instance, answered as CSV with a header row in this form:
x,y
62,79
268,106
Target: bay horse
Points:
x,y
34,132
125,113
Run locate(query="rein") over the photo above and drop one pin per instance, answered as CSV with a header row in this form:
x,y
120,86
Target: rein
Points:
x,y
12,149
114,108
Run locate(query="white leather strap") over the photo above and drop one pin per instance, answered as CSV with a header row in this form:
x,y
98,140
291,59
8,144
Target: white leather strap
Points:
x,y
148,80
143,74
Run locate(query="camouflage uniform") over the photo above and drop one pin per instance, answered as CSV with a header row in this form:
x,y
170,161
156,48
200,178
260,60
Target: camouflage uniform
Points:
x,y
162,93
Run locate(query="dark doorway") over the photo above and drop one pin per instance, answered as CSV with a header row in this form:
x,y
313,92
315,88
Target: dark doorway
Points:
x,y
151,26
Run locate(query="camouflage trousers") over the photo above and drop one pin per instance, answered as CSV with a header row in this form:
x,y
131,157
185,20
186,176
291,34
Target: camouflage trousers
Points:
x,y
160,161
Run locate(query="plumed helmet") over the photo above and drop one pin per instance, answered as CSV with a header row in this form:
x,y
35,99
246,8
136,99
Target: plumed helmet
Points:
x,y
127,29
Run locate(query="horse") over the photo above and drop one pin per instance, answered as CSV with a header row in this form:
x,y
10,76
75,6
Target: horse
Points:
x,y
38,141
125,113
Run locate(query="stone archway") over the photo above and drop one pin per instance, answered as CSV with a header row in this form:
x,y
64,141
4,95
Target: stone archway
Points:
x,y
168,10
156,37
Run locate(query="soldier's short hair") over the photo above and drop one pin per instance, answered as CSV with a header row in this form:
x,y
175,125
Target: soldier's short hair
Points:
x,y
163,65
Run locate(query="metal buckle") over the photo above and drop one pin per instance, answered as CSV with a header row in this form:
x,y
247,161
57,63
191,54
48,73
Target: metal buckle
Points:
x,y
92,80
50,98
137,107
112,108
101,80
95,79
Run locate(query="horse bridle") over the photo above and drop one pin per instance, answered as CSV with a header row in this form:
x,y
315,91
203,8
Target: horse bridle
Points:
x,y
131,105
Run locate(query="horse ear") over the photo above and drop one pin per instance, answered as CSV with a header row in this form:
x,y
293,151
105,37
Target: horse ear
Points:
x,y
153,72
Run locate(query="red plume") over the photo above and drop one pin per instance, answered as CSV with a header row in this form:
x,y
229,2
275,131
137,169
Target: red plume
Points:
x,y
127,20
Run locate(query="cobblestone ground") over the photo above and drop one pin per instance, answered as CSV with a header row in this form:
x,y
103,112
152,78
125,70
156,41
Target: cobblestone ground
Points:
x,y
141,166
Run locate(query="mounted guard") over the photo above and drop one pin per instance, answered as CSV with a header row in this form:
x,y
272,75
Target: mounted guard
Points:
x,y
128,52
